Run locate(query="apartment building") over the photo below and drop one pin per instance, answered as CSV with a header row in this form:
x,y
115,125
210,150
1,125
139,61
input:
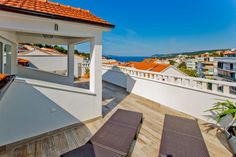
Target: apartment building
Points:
x,y
191,64
205,67
226,68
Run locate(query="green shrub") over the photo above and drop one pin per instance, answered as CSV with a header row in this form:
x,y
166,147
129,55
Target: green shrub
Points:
x,y
224,108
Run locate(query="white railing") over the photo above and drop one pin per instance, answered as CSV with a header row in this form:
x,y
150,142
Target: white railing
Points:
x,y
207,85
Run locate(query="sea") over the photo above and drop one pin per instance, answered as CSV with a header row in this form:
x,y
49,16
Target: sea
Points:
x,y
127,58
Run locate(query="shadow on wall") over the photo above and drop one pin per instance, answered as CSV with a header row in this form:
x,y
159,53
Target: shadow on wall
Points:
x,y
31,113
111,94
84,84
115,76
130,83
31,65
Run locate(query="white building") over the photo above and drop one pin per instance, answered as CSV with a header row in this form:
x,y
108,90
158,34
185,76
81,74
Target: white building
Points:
x,y
226,68
39,101
42,114
191,64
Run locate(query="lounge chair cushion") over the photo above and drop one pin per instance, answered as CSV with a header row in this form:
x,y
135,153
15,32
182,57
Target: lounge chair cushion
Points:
x,y
115,136
182,137
182,125
127,117
89,150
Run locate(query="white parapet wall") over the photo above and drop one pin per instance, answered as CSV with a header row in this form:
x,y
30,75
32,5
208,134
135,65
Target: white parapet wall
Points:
x,y
31,107
192,96
53,63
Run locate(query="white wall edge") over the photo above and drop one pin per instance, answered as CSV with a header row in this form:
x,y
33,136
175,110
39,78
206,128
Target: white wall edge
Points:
x,y
54,86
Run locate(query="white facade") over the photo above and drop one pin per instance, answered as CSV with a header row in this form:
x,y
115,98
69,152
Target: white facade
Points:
x,y
34,107
173,71
191,64
226,68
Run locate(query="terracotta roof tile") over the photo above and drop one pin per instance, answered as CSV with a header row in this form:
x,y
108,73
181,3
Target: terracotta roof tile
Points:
x,y
150,66
229,52
53,8
160,67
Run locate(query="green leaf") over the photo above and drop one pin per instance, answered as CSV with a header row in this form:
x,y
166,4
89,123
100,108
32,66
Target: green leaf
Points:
x,y
223,108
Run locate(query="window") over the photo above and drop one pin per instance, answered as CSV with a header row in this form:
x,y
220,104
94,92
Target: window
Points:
x,y
43,57
82,65
231,66
220,65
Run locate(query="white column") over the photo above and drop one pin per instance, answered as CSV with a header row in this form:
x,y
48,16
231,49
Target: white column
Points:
x,y
96,65
71,48
14,56
226,89
96,71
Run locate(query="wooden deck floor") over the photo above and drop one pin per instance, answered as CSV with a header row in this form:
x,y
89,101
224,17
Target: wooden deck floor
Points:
x,y
147,144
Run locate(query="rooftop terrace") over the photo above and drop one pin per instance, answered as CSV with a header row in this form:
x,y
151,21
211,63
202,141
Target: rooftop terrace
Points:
x,y
55,143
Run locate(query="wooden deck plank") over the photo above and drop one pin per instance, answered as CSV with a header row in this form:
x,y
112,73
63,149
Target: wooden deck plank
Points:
x,y
147,144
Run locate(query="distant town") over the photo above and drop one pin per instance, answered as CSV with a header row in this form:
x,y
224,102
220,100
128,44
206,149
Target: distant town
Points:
x,y
209,64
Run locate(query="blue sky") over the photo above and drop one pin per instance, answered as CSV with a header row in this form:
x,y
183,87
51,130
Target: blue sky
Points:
x,y
147,27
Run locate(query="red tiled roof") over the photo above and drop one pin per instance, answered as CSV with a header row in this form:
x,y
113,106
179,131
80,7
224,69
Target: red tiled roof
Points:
x,y
113,63
140,65
21,60
160,67
3,76
147,66
52,10
229,52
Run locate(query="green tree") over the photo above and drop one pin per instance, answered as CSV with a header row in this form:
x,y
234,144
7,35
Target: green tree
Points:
x,y
182,67
172,62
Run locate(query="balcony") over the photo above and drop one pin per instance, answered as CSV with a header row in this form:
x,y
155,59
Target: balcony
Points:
x,y
227,78
114,97
152,94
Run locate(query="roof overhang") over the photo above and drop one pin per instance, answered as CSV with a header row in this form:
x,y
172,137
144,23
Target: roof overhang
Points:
x,y
51,16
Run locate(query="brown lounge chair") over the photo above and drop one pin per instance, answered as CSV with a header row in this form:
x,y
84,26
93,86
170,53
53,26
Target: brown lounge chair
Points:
x,y
182,137
89,150
130,118
115,137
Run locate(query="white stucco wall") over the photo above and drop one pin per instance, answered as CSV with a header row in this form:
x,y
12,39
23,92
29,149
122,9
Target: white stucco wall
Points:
x,y
43,75
52,63
31,107
173,71
190,101
185,99
40,25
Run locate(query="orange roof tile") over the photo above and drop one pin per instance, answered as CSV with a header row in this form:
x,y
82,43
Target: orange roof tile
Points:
x,y
52,10
113,63
21,60
160,67
3,76
140,65
151,66
229,52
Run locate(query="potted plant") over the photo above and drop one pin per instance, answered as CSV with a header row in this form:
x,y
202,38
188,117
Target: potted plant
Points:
x,y
226,116
87,73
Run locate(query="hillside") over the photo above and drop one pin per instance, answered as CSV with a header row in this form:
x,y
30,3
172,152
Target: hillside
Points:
x,y
186,53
